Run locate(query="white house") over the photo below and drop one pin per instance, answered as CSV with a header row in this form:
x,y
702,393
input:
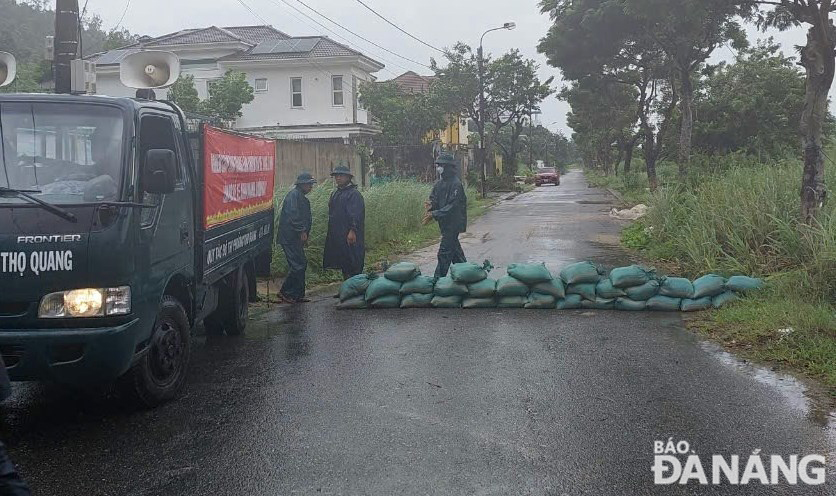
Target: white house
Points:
x,y
305,87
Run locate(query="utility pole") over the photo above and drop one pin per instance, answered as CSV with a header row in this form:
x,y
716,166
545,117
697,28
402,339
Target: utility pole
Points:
x,y
66,43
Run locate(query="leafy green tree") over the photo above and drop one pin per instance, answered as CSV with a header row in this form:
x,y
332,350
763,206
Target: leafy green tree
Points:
x,y
118,38
227,96
404,118
184,94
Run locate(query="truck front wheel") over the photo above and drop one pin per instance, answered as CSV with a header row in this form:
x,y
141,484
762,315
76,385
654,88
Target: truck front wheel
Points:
x,y
239,310
160,374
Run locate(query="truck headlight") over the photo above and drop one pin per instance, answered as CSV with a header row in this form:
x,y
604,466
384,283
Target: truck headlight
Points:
x,y
80,303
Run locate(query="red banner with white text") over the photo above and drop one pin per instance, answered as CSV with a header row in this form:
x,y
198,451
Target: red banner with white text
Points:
x,y
239,176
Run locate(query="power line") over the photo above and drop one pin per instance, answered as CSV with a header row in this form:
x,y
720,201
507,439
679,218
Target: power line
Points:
x,y
124,13
361,2
360,36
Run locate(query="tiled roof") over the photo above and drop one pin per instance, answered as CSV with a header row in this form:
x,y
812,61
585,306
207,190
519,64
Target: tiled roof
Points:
x,y
257,34
321,47
412,82
211,34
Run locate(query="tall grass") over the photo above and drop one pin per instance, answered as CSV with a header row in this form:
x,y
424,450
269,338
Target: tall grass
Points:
x,y
393,224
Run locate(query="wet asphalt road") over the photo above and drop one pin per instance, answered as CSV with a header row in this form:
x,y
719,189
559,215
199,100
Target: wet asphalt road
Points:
x,y
316,401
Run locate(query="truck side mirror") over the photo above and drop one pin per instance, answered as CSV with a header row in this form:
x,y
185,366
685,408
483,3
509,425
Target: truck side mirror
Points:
x,y
159,172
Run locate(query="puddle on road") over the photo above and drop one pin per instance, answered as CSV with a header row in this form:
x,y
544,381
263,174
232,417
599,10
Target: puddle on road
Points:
x,y
804,397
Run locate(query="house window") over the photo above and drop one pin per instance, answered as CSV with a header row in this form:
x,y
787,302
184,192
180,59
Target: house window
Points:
x,y
337,91
261,85
296,92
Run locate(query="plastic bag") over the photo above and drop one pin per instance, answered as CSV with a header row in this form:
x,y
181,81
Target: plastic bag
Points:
x,y
628,277
554,287
538,301
512,302
468,273
479,303
586,290
677,287
580,273
644,292
628,305
354,287
403,272
697,305
508,286
483,289
664,304
571,302
710,285
381,287
605,289
530,274
447,302
417,300
743,284
356,303
445,287
388,301
420,285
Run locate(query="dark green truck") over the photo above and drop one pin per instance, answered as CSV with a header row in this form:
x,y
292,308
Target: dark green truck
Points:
x,y
108,256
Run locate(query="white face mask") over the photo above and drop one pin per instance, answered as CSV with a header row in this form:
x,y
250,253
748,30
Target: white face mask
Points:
x,y
440,170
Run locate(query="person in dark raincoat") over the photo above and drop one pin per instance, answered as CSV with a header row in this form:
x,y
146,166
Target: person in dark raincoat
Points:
x,y
345,246
295,224
11,483
448,206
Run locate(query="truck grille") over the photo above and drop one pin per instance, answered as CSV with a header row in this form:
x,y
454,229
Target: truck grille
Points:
x,y
13,309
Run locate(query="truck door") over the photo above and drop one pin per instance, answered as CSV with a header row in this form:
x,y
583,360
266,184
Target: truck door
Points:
x,y
168,230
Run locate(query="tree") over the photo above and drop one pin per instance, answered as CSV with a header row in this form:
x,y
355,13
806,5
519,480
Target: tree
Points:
x,y
818,57
184,94
228,95
118,38
404,118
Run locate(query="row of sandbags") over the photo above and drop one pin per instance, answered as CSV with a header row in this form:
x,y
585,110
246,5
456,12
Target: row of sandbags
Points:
x,y
579,286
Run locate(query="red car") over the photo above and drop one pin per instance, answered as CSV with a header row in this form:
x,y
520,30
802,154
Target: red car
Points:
x,y
547,176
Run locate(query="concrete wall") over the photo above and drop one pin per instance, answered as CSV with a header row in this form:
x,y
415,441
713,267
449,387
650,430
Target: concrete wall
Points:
x,y
294,157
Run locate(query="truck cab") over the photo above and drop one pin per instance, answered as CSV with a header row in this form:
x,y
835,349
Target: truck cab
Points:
x,y
103,252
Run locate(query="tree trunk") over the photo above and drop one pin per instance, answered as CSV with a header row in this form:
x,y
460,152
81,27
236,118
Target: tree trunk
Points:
x,y
687,121
628,157
621,150
818,60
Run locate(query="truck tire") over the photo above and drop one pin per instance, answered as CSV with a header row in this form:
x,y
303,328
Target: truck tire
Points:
x,y
160,375
238,310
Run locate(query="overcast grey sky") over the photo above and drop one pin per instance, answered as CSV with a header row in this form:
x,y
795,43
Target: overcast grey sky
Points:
x,y
438,22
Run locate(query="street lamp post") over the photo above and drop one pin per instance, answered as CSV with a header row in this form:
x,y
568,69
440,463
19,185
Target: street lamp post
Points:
x,y
481,69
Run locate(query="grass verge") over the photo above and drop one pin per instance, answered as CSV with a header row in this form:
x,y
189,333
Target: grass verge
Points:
x,y
742,218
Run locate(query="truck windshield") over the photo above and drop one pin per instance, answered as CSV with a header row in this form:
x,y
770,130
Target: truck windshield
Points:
x,y
61,153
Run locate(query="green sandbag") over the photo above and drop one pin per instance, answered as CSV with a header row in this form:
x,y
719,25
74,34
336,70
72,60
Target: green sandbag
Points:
x,y
512,302
381,287
530,274
388,301
420,285
628,305
403,272
580,273
724,299
743,284
598,304
554,287
644,292
605,289
354,287
710,285
627,277
483,289
538,301
664,304
356,303
677,287
445,287
697,305
479,303
586,291
447,302
571,302
468,273
417,300
508,286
